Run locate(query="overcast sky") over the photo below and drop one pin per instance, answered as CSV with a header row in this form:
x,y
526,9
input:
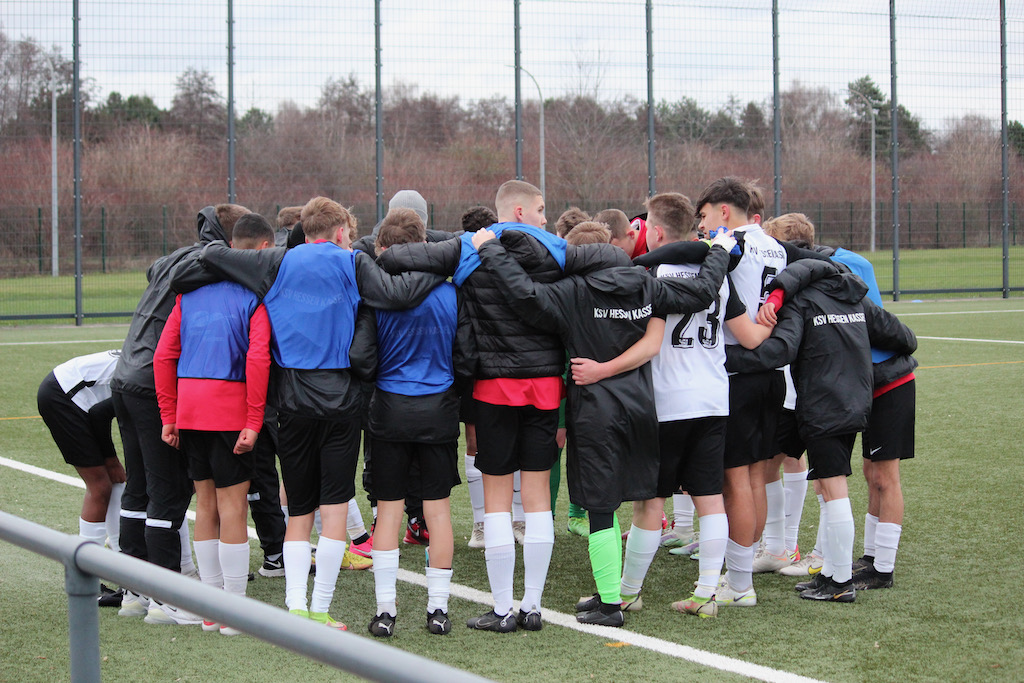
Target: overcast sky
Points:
x,y
947,52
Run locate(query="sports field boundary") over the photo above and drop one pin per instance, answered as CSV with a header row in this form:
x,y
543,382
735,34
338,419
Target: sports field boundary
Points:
x,y
657,645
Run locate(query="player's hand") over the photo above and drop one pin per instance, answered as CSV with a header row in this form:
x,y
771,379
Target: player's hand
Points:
x,y
170,435
482,235
767,316
586,371
246,441
724,240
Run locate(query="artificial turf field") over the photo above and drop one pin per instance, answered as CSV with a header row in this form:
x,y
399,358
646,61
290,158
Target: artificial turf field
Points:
x,y
956,611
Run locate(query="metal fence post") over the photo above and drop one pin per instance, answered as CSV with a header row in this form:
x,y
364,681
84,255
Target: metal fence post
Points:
x,y
1005,151
910,225
776,110
519,96
378,98
651,168
77,118
103,237
39,236
163,231
83,623
895,141
231,103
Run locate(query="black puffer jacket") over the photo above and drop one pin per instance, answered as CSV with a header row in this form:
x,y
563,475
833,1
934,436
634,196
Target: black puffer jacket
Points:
x,y
825,331
134,372
507,346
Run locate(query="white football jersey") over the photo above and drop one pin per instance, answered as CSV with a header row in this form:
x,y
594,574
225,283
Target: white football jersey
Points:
x,y
763,259
689,372
86,379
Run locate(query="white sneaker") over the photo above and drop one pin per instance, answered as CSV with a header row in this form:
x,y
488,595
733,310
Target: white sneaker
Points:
x,y
519,531
162,613
727,597
133,605
228,631
765,562
210,625
476,540
808,565
677,539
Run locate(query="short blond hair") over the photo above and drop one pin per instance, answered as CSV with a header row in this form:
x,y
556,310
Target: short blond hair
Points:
x,y
673,212
512,193
321,217
589,232
616,220
791,227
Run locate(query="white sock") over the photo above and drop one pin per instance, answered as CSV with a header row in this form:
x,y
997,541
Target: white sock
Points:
x,y
500,555
385,576
211,572
739,560
819,539
714,537
775,522
682,512
329,554
113,519
870,527
517,499
354,523
298,556
641,545
234,561
188,566
475,481
887,541
538,541
92,531
284,510
795,485
439,583
840,538
318,523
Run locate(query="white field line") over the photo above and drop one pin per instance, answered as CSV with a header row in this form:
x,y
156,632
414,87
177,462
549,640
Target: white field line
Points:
x,y
965,339
959,312
69,341
664,647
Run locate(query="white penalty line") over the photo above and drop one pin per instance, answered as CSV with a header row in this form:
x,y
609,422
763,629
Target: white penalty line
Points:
x,y
965,339
664,647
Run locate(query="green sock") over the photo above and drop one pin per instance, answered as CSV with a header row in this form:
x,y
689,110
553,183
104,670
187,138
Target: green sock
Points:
x,y
577,511
606,562
556,480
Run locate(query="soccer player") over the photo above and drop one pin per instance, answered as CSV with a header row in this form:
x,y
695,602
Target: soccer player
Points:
x,y
211,369
825,331
414,426
75,404
598,317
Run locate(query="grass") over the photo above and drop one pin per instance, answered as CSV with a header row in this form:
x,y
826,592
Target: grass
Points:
x,y
955,612
920,269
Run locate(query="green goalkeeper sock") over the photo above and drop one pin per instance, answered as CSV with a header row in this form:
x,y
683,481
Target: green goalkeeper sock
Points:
x,y
556,480
606,562
577,511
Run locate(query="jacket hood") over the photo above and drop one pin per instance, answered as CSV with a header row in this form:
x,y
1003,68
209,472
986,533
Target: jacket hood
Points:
x,y
845,287
209,227
618,280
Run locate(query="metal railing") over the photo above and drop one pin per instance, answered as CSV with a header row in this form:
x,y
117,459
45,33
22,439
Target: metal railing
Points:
x,y
86,562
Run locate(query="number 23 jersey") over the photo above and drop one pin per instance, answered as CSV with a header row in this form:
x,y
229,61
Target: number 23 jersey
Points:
x,y
689,372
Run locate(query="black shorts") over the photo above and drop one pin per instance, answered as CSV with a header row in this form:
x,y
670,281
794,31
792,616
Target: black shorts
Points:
x,y
210,456
318,460
829,456
755,400
83,438
787,438
510,438
890,432
427,470
692,453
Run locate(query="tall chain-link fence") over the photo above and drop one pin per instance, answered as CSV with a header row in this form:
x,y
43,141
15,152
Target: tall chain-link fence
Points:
x,y
599,102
